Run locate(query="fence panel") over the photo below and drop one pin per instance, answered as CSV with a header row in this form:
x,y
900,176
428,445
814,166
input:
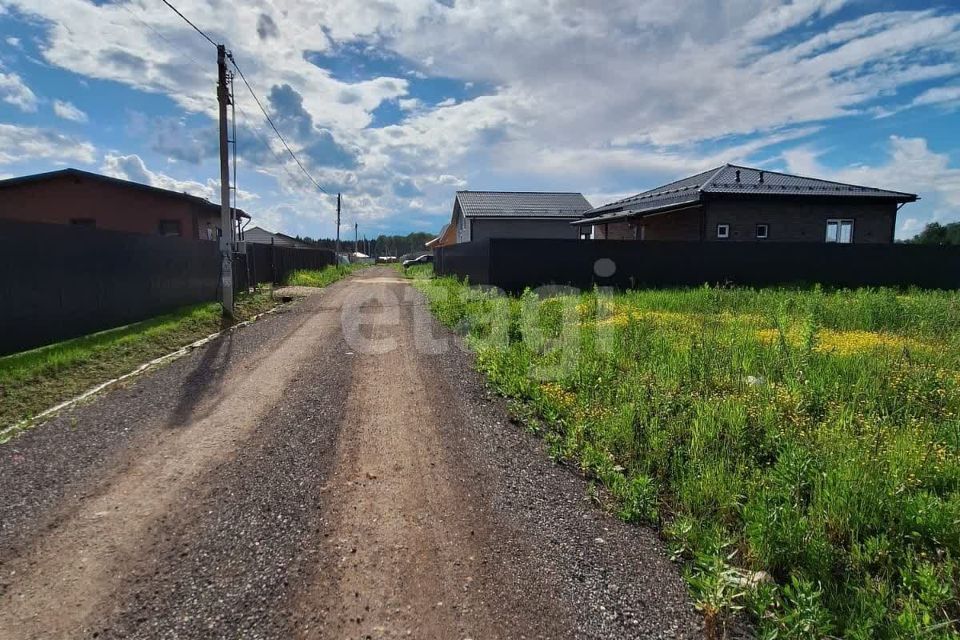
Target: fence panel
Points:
x,y
468,259
514,264
59,282
270,263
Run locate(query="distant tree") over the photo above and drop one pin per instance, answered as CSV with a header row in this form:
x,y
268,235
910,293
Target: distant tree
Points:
x,y
381,246
936,233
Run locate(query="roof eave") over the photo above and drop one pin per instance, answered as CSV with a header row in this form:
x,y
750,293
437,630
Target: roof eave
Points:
x,y
625,215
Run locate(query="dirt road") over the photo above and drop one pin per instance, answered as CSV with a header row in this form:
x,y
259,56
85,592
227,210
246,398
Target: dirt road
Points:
x,y
334,471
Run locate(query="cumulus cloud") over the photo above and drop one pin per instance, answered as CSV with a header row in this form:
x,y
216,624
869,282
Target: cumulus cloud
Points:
x,y
132,167
583,94
13,90
18,143
318,145
68,111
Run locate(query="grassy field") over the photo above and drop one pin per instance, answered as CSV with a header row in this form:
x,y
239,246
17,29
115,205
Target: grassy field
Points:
x,y
38,379
799,449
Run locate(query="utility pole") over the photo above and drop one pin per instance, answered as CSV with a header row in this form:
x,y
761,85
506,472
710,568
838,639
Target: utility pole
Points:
x,y
226,219
338,228
356,237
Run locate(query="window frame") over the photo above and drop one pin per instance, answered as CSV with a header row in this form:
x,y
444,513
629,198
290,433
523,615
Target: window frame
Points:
x,y
766,231
839,223
179,225
726,231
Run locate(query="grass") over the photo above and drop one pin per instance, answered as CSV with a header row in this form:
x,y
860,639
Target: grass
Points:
x,y
799,449
35,380
418,271
321,278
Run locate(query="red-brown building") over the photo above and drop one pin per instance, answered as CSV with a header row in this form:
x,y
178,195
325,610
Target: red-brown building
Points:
x,y
81,198
742,204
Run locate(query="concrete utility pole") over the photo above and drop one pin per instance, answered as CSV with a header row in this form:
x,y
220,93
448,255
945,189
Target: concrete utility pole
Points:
x,y
338,228
226,217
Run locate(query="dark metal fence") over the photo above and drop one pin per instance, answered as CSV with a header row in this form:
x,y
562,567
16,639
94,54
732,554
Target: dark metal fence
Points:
x,y
469,260
513,264
270,263
59,282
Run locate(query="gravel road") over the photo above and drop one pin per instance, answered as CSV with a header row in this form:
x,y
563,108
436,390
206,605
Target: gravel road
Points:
x,y
335,470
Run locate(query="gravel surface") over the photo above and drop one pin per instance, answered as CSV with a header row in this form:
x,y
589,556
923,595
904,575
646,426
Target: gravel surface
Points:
x,y
299,479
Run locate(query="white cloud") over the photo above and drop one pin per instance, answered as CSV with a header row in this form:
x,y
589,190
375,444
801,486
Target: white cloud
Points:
x,y
574,91
14,91
938,96
20,143
132,167
68,111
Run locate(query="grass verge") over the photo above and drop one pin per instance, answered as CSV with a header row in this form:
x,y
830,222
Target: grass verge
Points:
x,y
35,380
322,277
799,449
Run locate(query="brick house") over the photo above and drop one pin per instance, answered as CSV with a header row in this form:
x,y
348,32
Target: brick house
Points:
x,y
742,204
81,198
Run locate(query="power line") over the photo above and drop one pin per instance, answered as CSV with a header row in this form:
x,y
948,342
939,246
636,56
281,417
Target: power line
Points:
x,y
256,99
173,44
280,161
187,20
274,126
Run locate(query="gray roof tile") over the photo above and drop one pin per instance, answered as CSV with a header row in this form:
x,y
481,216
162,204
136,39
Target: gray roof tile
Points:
x,y
522,204
723,180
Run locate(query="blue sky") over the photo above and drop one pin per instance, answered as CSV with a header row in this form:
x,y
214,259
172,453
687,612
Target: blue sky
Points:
x,y
399,104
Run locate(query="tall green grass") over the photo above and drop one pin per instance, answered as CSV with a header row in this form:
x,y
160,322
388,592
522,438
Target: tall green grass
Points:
x,y
799,448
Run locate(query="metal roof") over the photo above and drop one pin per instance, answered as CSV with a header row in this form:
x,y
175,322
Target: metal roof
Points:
x,y
80,174
678,192
522,204
752,180
734,179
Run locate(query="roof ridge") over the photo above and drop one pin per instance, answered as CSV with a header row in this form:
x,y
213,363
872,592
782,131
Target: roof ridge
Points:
x,y
797,175
562,193
714,176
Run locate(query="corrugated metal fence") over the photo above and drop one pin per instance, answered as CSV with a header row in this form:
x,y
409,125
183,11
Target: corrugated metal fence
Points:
x,y
513,264
59,282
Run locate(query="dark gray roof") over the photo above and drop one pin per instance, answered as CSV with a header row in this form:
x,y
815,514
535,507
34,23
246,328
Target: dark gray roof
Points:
x,y
724,180
522,204
675,193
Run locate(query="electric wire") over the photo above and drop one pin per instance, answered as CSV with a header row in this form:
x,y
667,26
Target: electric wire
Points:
x,y
274,126
159,34
187,20
266,114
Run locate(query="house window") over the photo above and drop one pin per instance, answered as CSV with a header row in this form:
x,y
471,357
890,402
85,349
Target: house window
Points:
x,y
88,223
723,231
763,231
839,230
169,228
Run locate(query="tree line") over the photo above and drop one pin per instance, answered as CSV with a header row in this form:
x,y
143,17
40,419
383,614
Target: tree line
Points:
x,y
936,233
382,245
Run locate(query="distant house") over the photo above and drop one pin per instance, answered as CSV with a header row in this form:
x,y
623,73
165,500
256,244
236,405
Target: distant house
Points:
x,y
85,199
516,214
256,235
734,203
